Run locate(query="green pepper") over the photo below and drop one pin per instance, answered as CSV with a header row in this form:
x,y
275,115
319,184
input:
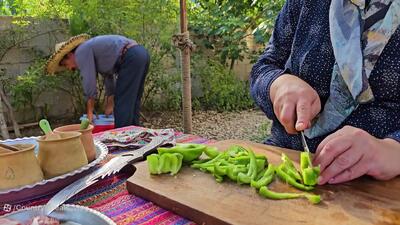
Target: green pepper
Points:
x,y
289,167
251,174
266,179
218,178
261,174
305,160
244,160
211,152
152,163
189,152
233,171
309,173
219,169
265,192
290,180
235,151
209,162
165,163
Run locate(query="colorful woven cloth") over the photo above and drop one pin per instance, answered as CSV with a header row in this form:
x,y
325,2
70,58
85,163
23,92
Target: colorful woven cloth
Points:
x,y
133,139
111,197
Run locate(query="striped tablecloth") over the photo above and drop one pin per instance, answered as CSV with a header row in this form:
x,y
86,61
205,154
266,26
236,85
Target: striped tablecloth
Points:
x,y
111,197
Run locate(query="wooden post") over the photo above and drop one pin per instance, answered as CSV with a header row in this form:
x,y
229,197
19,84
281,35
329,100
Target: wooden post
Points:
x,y
186,81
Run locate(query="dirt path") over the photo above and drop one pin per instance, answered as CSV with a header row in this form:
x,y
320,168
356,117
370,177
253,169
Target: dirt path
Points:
x,y
246,125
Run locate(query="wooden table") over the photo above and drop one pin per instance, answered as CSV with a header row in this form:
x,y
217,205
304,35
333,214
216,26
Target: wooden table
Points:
x,y
197,196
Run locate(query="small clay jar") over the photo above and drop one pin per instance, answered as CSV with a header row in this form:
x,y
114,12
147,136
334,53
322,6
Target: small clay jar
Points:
x,y
60,156
19,168
86,138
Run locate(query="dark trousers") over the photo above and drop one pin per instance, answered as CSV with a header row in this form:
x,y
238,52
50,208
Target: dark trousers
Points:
x,y
130,85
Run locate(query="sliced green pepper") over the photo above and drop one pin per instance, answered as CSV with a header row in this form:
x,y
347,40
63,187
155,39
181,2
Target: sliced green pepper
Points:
x,y
289,167
244,160
233,171
209,162
189,152
252,171
165,163
220,169
266,179
211,152
290,180
260,164
309,173
152,163
265,192
261,174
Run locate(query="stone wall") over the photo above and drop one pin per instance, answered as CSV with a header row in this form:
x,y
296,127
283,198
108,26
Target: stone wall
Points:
x,y
19,49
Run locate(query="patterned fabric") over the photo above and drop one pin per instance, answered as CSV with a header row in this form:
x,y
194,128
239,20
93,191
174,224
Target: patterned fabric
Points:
x,y
133,139
300,45
356,53
110,196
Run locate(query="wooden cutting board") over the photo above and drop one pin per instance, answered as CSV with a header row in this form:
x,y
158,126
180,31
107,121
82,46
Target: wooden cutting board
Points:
x,y
197,196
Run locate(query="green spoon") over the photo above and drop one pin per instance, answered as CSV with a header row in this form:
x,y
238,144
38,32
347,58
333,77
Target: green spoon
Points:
x,y
45,126
84,124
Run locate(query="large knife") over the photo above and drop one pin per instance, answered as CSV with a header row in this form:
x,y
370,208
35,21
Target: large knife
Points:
x,y
111,167
303,142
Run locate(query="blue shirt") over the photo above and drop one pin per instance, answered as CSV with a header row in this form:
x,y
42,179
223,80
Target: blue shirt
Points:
x,y
300,45
99,55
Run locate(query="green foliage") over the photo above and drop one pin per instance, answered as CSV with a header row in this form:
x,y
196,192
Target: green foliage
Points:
x,y
220,89
28,87
223,25
36,8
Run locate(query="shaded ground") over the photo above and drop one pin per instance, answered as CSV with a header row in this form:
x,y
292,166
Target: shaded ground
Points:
x,y
250,125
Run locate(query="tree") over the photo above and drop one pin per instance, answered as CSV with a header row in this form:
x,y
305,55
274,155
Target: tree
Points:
x,y
223,25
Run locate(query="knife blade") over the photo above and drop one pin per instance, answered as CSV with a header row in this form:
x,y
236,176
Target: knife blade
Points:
x,y
303,142
111,167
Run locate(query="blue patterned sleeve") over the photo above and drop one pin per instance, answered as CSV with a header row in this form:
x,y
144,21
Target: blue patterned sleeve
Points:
x,y
271,63
395,136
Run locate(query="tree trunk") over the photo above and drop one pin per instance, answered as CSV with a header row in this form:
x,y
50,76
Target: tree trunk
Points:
x,y
10,112
3,124
186,81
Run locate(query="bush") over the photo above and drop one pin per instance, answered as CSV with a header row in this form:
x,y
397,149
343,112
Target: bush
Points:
x,y
29,86
223,91
217,88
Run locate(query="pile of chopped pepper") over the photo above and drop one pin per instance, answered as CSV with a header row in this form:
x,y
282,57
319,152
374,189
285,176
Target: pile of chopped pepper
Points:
x,y
240,165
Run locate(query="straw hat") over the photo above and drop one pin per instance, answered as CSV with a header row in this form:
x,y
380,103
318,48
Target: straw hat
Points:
x,y
62,49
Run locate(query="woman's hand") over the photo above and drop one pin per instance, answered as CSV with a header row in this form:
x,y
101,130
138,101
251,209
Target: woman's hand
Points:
x,y
351,152
295,102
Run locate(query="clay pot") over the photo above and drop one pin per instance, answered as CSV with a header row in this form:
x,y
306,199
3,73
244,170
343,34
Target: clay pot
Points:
x,y
19,168
58,157
86,138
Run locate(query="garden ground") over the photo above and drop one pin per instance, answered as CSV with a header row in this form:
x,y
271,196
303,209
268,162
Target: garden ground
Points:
x,y
250,125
